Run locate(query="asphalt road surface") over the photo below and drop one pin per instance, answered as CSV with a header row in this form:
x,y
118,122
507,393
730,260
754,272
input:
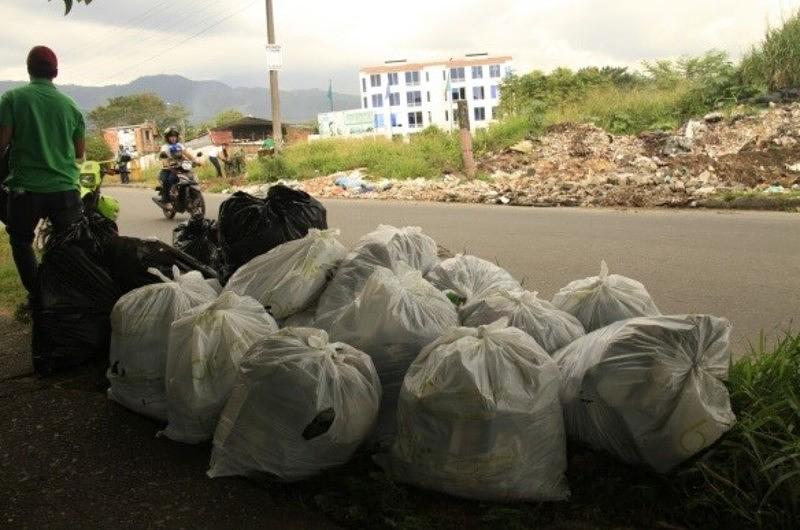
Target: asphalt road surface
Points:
x,y
741,265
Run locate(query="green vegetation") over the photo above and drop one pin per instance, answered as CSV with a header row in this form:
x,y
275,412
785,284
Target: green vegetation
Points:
x,y
135,109
775,63
97,149
753,475
68,4
12,293
788,201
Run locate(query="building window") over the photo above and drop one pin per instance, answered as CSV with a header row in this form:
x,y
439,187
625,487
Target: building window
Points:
x,y
459,93
477,72
494,112
446,116
393,119
412,78
494,70
392,78
494,91
377,100
379,122
428,96
444,75
457,74
415,120
414,98
365,102
477,92
430,117
480,113
375,80
394,99
363,84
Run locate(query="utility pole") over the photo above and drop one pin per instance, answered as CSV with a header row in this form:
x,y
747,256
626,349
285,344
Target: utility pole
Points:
x,y
466,139
277,132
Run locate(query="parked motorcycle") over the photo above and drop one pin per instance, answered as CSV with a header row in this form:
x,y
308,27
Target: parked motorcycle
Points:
x,y
185,195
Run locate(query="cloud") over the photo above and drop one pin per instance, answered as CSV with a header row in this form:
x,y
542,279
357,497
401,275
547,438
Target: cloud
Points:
x,y
114,42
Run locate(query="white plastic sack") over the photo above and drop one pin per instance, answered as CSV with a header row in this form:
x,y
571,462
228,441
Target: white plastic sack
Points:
x,y
470,278
600,300
479,417
205,347
300,405
140,324
551,328
385,247
395,316
649,390
291,276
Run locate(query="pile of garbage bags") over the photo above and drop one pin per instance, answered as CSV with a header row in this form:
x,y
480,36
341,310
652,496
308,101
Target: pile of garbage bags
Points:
x,y
295,353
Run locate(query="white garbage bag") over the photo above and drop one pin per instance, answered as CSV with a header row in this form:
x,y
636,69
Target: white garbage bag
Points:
x,y
479,417
469,278
300,405
385,247
396,315
288,278
649,390
600,300
303,319
140,324
205,347
551,328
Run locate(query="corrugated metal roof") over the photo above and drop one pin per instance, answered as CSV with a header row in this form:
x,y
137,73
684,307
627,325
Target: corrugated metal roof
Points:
x,y
454,63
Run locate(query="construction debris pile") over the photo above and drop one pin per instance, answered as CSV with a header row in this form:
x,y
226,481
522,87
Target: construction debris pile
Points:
x,y
582,165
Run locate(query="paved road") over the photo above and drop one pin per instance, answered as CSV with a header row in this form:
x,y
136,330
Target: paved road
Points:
x,y
742,265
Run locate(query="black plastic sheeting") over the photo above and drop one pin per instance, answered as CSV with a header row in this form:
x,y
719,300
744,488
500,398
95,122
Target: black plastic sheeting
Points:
x,y
128,258
249,226
198,238
74,298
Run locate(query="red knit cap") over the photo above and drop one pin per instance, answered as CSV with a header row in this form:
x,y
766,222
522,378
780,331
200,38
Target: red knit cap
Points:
x,y
42,62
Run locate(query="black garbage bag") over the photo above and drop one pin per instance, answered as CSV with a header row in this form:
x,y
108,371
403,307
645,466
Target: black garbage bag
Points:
x,y
92,233
129,258
198,238
249,226
73,301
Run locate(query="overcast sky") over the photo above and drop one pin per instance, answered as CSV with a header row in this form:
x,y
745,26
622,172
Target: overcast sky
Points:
x,y
115,41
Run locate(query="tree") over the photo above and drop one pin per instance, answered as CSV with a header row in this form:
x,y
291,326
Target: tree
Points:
x,y
68,4
226,116
138,108
97,149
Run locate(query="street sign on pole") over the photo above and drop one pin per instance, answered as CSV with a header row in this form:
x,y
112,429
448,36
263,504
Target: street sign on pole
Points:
x,y
274,57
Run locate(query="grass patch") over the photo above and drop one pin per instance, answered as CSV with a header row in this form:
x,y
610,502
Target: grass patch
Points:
x,y
12,293
755,200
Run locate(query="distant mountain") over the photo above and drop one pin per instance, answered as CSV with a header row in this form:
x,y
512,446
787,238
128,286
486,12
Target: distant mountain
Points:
x,y
206,98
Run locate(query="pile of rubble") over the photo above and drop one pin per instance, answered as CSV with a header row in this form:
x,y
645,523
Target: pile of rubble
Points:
x,y
582,165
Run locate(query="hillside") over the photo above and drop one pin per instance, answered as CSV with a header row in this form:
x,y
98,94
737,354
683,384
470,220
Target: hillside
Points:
x,y
206,98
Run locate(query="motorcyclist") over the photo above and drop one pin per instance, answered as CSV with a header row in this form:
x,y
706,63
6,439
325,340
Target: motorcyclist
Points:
x,y
171,152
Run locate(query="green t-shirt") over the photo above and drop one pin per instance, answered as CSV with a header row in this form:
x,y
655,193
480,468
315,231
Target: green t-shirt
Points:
x,y
45,124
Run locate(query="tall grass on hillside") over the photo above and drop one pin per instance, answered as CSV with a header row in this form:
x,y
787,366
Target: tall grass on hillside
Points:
x,y
775,63
624,111
753,474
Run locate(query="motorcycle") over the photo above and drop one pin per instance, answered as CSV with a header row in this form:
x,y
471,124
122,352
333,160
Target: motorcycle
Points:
x,y
185,195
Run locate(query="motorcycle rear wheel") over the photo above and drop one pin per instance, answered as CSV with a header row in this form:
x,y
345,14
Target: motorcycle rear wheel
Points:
x,y
198,208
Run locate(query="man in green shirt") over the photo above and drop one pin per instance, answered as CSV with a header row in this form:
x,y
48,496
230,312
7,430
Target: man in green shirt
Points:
x,y
45,131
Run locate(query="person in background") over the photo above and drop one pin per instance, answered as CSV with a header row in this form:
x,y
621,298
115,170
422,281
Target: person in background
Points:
x,y
172,150
46,132
213,157
123,159
268,145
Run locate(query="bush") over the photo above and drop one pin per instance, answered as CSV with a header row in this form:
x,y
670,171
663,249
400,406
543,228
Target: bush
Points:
x,y
774,64
97,149
269,169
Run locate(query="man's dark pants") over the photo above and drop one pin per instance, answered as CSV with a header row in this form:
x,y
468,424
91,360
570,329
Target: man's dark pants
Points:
x,y
168,179
215,162
24,212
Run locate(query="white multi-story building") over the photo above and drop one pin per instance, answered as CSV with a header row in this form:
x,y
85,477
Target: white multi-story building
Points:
x,y
407,97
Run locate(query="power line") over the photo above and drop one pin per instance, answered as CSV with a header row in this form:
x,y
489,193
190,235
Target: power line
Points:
x,y
184,41
111,54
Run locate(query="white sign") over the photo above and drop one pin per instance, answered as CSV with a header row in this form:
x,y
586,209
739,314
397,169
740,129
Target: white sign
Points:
x,y
346,122
274,57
